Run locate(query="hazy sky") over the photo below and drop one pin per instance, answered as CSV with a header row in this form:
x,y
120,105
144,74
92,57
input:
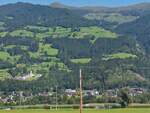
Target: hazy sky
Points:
x,y
80,2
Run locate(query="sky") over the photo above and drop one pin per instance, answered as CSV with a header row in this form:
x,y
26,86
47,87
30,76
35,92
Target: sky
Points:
x,y
110,3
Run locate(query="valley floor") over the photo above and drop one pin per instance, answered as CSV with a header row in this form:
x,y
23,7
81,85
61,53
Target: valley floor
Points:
x,y
138,110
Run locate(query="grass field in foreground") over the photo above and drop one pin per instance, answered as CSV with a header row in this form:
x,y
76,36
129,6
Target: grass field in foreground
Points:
x,y
138,110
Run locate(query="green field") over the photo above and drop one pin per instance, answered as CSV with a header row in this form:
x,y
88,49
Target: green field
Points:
x,y
4,74
81,60
3,34
112,17
4,55
22,33
77,111
40,32
59,32
119,56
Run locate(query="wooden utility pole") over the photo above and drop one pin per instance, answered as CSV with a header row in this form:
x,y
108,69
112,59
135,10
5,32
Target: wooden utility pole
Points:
x,y
56,98
81,99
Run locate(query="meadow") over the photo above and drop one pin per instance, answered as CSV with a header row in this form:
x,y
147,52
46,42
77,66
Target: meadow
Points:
x,y
81,60
138,110
112,17
119,56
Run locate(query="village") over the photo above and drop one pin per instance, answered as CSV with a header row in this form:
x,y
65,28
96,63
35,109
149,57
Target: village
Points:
x,y
22,97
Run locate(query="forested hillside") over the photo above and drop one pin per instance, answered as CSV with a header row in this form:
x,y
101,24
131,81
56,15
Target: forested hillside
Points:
x,y
45,46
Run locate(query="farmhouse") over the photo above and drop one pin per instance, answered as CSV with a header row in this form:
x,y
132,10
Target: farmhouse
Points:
x,y
70,92
90,92
136,91
111,93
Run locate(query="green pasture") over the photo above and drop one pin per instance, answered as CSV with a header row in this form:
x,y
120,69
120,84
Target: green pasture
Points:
x,y
44,49
3,34
77,111
21,33
97,32
81,60
59,32
46,65
119,56
39,28
4,55
41,32
113,17
4,74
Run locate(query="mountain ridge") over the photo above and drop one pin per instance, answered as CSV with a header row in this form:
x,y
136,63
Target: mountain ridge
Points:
x,y
97,8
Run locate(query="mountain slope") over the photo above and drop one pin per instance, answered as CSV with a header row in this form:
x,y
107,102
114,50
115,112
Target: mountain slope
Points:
x,y
21,14
138,29
56,42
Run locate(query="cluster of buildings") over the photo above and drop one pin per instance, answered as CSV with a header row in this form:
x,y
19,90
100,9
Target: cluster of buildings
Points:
x,y
136,91
109,93
13,97
28,76
72,92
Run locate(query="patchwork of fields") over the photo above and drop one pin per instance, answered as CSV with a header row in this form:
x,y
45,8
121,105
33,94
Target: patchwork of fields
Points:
x,y
41,32
77,111
45,52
